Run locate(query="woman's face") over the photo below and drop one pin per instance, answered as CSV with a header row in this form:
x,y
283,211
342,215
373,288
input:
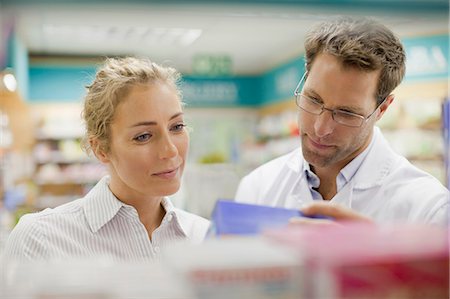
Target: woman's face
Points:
x,y
149,143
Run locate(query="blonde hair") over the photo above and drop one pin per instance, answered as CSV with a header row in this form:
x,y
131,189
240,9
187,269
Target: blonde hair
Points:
x,y
362,43
110,86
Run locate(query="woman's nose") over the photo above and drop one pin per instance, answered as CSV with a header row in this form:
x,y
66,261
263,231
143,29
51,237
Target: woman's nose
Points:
x,y
167,148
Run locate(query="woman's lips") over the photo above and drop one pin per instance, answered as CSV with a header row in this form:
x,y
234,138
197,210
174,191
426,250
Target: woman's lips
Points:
x,y
167,174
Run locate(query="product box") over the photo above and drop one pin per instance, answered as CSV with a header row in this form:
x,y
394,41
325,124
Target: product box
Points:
x,y
232,218
237,267
371,261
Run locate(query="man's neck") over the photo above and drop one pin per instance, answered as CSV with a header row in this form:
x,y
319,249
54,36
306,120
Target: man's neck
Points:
x,y
327,187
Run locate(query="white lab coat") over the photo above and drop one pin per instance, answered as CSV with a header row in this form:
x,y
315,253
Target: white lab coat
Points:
x,y
386,187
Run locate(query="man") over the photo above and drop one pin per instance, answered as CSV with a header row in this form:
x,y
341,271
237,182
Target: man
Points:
x,y
345,168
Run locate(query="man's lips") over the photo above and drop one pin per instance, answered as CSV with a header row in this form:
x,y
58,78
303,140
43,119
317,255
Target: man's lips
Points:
x,y
318,144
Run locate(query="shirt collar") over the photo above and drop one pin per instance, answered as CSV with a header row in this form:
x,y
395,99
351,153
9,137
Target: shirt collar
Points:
x,y
346,173
174,216
101,205
312,178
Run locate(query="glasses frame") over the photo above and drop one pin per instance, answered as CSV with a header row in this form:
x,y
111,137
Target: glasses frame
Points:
x,y
364,119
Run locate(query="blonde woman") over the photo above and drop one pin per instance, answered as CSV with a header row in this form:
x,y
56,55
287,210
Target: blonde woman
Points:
x,y
134,125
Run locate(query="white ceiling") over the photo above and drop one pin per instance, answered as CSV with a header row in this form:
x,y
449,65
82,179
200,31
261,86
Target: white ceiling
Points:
x,y
257,38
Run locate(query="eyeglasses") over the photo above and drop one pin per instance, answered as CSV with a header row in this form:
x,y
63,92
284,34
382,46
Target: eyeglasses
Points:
x,y
342,117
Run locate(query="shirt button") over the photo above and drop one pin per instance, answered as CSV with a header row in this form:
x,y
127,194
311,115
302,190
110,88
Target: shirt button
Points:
x,y
156,248
169,217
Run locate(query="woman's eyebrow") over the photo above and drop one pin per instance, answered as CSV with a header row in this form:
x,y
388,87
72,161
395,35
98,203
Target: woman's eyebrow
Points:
x,y
153,123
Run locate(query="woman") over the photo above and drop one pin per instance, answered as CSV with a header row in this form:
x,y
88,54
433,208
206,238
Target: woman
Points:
x,y
134,125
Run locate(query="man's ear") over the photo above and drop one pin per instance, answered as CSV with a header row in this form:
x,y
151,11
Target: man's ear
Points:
x,y
98,151
385,105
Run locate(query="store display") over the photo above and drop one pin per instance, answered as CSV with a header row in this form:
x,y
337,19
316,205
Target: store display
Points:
x,y
446,134
349,261
366,261
91,279
62,172
413,129
16,140
237,268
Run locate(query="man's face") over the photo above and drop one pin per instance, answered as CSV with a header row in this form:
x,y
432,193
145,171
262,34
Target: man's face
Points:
x,y
326,143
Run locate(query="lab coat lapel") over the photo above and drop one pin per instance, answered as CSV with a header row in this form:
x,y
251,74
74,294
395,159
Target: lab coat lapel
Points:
x,y
344,196
377,165
300,195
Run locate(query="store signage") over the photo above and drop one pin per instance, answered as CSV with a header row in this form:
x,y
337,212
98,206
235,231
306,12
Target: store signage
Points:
x,y
279,83
212,65
210,92
427,57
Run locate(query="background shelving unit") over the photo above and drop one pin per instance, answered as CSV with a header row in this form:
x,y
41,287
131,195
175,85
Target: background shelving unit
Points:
x,y
62,171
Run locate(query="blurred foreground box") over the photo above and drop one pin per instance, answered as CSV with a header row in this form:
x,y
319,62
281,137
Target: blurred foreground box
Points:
x,y
237,267
366,261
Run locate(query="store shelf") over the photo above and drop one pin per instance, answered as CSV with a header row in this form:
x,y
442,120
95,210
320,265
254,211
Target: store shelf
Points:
x,y
62,171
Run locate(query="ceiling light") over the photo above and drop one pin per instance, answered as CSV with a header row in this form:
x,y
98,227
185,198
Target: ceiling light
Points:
x,y
10,82
190,36
124,34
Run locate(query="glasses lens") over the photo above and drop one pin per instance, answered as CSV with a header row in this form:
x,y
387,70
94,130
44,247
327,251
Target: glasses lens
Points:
x,y
309,105
347,119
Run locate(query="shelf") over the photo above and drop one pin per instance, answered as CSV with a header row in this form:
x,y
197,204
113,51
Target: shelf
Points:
x,y
68,181
64,160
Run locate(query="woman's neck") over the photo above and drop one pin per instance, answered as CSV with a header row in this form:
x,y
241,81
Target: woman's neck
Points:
x,y
149,209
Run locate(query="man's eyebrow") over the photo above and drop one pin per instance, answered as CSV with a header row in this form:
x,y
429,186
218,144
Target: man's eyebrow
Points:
x,y
312,93
316,96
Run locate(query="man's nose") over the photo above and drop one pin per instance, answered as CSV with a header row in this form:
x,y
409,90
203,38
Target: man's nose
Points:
x,y
324,123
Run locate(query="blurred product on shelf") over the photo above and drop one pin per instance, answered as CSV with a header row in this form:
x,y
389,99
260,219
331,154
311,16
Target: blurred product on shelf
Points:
x,y
16,141
237,268
365,261
414,130
91,279
19,119
446,133
62,171
350,261
213,158
217,134
280,125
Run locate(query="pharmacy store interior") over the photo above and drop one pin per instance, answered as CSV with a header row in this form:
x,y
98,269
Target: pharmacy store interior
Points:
x,y
240,63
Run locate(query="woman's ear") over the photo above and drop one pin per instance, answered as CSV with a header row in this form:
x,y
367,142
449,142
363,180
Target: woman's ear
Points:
x,y
385,105
98,150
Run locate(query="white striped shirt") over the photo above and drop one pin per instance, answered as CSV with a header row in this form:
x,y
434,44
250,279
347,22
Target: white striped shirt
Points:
x,y
99,225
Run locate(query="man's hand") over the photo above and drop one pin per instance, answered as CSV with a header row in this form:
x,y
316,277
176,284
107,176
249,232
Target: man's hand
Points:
x,y
335,212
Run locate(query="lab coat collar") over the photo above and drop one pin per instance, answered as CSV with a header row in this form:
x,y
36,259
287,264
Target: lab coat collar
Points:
x,y
372,172
373,169
378,163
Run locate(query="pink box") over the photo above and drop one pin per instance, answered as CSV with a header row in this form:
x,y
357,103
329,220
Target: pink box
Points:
x,y
371,262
